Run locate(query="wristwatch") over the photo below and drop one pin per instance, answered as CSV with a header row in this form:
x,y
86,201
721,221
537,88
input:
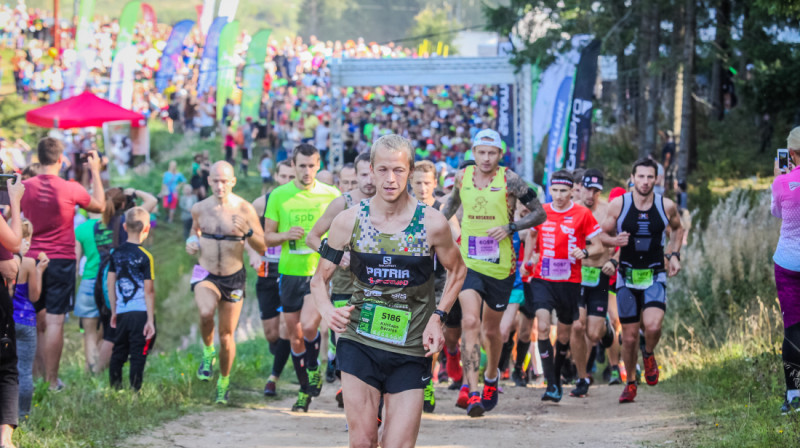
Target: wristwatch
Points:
x,y
442,315
512,227
585,253
249,233
674,254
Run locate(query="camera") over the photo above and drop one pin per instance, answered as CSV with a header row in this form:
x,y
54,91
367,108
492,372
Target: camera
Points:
x,y
783,159
4,178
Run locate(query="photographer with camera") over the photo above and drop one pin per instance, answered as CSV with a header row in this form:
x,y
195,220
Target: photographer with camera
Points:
x,y
10,243
786,206
50,206
95,239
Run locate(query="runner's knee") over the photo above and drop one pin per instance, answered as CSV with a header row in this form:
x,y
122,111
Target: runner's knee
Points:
x,y
470,323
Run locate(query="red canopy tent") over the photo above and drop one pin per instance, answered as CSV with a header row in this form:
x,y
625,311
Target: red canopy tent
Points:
x,y
82,111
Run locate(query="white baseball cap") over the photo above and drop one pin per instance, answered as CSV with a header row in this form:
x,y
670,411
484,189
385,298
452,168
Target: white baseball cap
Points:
x,y
488,137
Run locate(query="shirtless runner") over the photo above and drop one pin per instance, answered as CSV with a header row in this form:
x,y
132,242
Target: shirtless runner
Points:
x,y
220,226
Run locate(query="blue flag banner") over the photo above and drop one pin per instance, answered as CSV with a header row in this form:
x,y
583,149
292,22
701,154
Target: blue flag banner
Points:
x,y
208,62
172,53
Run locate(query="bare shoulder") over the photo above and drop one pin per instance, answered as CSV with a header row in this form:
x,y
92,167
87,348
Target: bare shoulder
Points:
x,y
459,177
516,185
244,205
614,207
436,223
342,227
670,207
260,203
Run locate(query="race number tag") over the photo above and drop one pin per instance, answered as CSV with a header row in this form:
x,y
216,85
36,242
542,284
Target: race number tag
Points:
x,y
484,248
590,276
639,278
384,324
272,254
199,274
555,269
298,247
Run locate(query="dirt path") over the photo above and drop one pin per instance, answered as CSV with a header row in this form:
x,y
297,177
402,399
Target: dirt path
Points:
x,y
520,419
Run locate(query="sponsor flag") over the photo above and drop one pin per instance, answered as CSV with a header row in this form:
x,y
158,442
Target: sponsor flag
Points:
x,y
206,16
226,63
120,89
131,14
172,54
208,62
149,15
227,8
84,31
253,75
558,124
580,126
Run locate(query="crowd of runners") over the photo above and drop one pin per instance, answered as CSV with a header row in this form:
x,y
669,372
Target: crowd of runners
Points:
x,y
416,284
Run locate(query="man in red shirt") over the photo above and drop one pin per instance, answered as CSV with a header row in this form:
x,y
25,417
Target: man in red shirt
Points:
x,y
561,241
49,203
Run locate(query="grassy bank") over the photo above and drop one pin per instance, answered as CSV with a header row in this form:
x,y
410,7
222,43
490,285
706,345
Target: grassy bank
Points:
x,y
720,351
90,414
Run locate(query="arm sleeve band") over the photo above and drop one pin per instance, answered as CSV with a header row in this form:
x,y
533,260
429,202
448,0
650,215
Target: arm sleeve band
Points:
x,y
329,253
528,196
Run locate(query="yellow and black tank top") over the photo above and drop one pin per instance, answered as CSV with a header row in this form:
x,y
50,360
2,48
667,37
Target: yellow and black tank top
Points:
x,y
485,208
393,277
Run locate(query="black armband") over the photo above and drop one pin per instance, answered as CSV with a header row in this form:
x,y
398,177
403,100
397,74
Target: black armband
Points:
x,y
528,196
329,253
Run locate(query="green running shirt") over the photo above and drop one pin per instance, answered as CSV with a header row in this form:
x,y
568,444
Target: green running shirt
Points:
x,y
290,206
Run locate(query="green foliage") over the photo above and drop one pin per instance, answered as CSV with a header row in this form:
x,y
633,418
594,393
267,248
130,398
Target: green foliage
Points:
x,y
12,120
435,25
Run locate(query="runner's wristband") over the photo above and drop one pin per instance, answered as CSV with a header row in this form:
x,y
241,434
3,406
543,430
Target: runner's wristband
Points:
x,y
614,262
192,239
442,315
585,253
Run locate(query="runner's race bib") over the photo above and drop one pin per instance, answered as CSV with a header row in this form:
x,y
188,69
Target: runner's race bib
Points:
x,y
639,278
484,248
384,324
340,303
298,247
556,269
590,276
199,274
272,254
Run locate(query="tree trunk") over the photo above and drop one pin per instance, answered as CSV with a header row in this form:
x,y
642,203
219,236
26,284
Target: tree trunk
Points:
x,y
678,36
687,119
720,51
643,58
653,75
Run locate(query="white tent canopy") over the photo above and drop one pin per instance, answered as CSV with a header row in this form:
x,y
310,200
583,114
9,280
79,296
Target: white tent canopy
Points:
x,y
433,72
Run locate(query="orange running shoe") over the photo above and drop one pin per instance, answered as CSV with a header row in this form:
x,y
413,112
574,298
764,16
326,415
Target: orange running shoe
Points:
x,y
623,373
463,397
628,394
454,365
650,369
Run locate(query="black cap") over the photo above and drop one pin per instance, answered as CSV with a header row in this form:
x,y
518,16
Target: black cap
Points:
x,y
593,178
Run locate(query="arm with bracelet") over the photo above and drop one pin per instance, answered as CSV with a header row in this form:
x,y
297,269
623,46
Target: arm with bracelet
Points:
x,y
331,253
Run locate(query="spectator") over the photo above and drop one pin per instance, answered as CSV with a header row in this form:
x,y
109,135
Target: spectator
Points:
x,y
187,201
265,166
10,242
786,206
27,292
170,182
50,206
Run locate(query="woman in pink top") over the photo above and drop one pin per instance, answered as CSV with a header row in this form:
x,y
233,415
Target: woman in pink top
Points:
x,y
786,206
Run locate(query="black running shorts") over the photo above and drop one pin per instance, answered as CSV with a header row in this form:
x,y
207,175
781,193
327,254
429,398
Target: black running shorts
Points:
x,y
562,297
454,316
389,372
230,287
527,307
269,298
493,291
293,290
595,298
631,302
58,287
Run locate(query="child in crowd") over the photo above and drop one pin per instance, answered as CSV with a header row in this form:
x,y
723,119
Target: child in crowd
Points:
x,y
132,299
28,289
187,200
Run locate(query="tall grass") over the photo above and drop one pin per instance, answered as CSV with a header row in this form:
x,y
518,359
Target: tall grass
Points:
x,y
720,351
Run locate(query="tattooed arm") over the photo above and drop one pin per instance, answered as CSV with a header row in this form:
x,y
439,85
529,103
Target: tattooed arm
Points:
x,y
454,201
519,189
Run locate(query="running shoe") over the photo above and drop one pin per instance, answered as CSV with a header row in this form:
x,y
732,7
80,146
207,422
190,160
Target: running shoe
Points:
x,y
455,385
616,376
519,377
340,398
475,406
222,393
638,374
442,376
581,389
270,389
429,402
302,403
553,393
650,369
314,382
790,406
628,394
330,372
506,374
206,369
463,397
607,373
489,397
454,365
